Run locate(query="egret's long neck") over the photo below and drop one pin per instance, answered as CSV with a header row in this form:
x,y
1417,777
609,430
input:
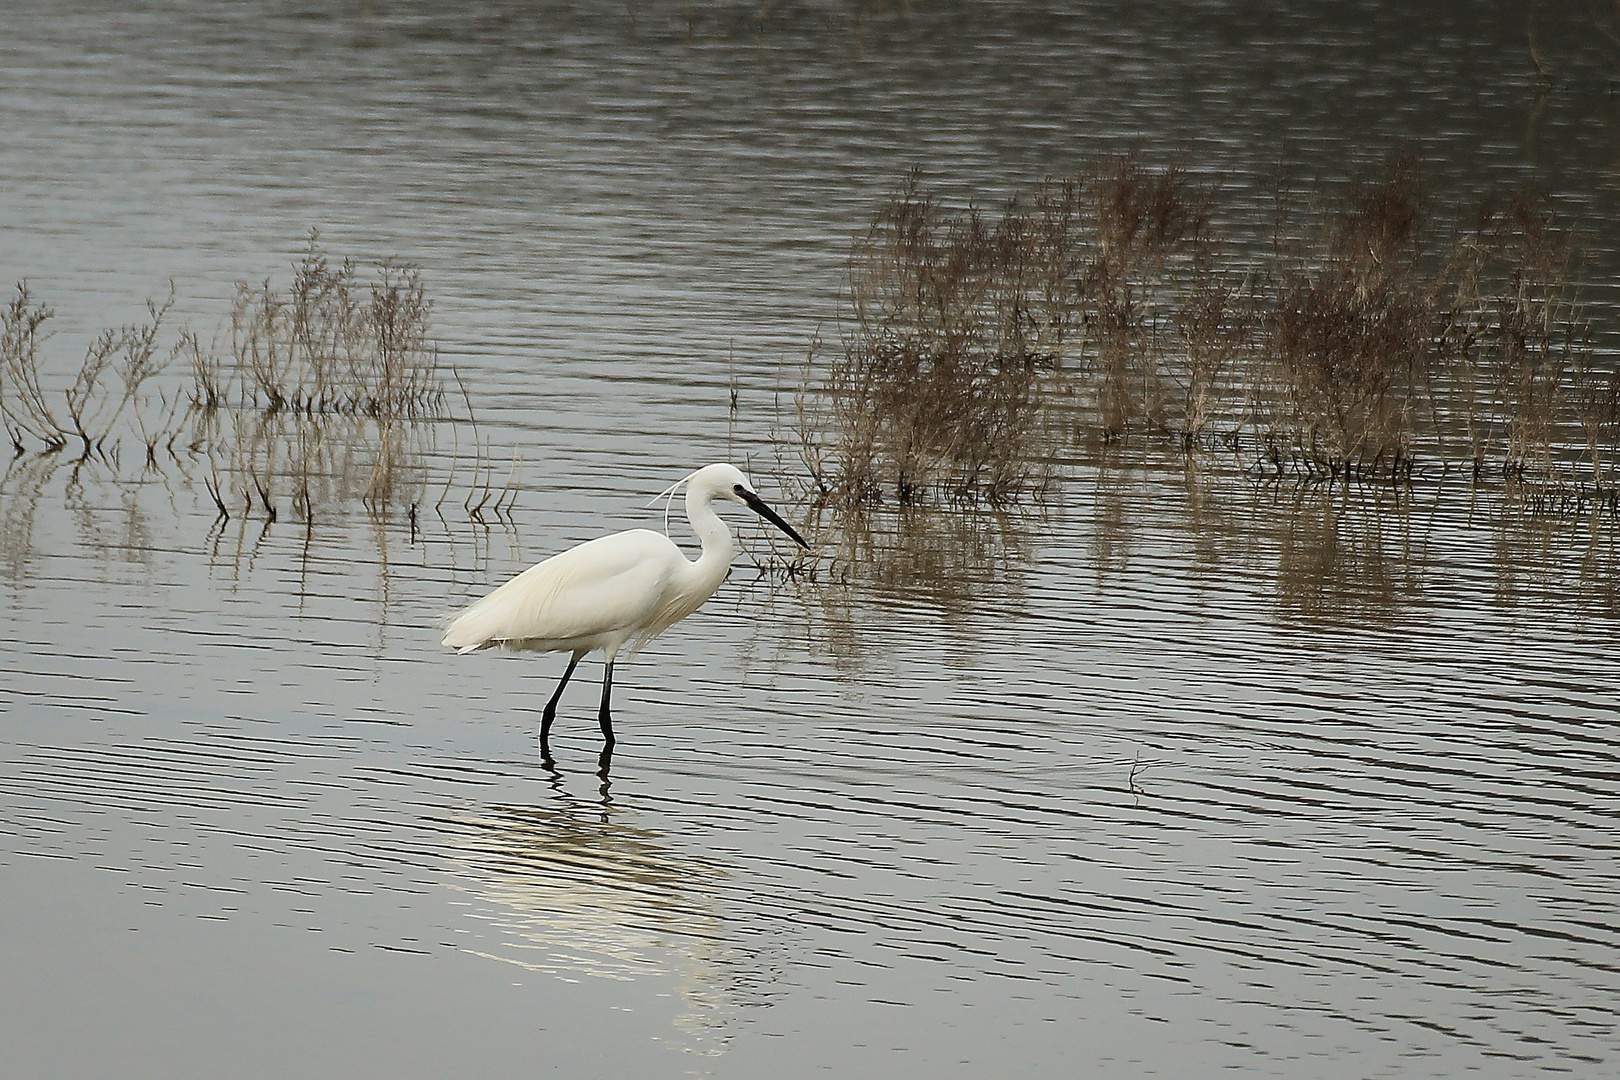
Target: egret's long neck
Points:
x,y
711,566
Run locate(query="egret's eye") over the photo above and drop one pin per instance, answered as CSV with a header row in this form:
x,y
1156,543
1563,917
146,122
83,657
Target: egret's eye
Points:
x,y
739,489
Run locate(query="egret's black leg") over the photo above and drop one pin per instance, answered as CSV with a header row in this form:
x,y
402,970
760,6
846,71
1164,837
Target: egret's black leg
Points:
x,y
550,712
604,717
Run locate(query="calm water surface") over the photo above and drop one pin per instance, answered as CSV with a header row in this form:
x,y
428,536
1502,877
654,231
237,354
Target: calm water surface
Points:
x,y
1171,776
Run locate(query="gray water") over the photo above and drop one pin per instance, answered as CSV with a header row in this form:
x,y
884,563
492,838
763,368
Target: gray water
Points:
x,y
1174,774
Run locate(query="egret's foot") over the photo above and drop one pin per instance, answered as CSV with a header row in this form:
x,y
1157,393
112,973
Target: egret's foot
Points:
x,y
604,771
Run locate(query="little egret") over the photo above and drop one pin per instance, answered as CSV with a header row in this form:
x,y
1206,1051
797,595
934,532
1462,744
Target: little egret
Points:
x,y
627,587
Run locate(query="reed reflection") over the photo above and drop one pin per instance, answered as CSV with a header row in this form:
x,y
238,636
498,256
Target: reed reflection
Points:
x,y
1219,515
954,561
1346,553
47,498
22,489
578,890
1116,494
1569,563
1339,553
1353,553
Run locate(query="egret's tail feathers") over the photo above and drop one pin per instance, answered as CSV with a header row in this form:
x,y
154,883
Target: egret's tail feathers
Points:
x,y
464,634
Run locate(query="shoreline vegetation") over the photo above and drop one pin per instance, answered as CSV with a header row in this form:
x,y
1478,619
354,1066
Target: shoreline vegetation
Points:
x,y
1373,341
1373,338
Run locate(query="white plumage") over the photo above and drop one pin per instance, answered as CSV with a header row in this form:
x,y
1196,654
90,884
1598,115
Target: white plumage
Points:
x,y
617,590
598,595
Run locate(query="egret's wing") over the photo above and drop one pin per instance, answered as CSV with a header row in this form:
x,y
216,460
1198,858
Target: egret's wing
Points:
x,y
599,587
597,601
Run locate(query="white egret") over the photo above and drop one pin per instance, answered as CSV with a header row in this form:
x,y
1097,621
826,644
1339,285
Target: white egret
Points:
x,y
619,589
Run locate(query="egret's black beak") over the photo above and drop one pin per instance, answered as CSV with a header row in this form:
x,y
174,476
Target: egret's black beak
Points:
x,y
757,505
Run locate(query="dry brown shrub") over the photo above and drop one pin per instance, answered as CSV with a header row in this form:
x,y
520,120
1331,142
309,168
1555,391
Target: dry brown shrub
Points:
x,y
933,391
335,342
1348,336
1145,238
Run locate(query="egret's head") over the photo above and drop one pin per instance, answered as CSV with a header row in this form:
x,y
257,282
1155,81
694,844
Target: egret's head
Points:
x,y
722,481
718,481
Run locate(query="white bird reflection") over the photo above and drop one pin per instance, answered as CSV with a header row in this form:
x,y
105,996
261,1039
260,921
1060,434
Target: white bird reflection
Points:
x,y
576,893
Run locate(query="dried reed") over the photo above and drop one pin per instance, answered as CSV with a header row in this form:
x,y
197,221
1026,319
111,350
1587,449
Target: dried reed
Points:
x,y
94,402
23,402
334,343
933,392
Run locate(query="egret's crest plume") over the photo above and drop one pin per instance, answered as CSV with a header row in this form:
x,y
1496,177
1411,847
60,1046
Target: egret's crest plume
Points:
x,y
668,495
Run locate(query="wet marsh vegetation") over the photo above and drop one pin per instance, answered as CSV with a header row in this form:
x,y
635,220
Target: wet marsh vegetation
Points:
x,y
1377,356
311,401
